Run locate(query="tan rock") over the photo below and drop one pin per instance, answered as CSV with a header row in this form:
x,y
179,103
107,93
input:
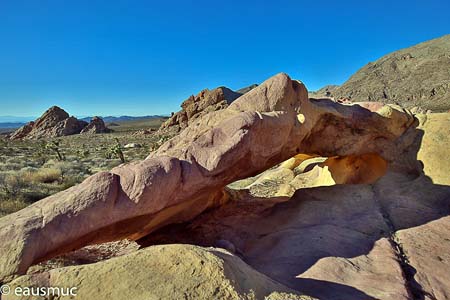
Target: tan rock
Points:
x,y
303,171
434,146
163,272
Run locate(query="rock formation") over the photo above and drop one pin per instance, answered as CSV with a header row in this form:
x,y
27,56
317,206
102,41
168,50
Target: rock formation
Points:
x,y
196,106
265,126
56,122
382,239
206,101
96,125
415,76
377,235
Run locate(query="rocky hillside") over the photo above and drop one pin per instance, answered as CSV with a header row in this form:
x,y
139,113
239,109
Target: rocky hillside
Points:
x,y
326,91
416,76
56,122
204,102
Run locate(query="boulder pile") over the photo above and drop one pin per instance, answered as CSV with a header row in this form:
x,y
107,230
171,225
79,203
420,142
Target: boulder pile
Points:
x,y
203,103
56,122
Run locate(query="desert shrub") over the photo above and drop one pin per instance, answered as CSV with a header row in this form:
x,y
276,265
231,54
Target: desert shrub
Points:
x,y
43,175
29,169
71,181
40,156
82,153
8,206
11,184
38,193
14,163
68,168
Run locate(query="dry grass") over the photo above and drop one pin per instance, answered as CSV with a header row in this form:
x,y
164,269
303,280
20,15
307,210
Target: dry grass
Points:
x,y
43,175
29,172
8,206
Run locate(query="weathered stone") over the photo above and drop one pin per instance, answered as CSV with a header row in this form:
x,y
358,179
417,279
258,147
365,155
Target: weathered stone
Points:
x,y
164,272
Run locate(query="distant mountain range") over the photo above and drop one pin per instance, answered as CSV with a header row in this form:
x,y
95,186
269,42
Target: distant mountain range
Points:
x,y
109,119
16,122
12,124
15,119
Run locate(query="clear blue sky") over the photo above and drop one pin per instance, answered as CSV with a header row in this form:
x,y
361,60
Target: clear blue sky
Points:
x,y
145,57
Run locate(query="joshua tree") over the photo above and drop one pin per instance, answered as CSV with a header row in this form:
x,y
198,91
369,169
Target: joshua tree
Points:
x,y
40,153
3,143
82,153
54,146
116,150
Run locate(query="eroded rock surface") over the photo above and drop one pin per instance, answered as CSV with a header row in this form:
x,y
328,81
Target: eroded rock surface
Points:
x,y
186,176
385,240
165,272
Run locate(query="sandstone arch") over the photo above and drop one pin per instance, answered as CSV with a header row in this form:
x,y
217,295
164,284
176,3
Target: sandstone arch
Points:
x,y
187,174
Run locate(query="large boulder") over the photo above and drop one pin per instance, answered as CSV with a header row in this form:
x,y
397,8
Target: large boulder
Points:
x,y
186,176
164,272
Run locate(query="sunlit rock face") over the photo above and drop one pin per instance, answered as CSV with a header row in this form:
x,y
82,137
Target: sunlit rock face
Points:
x,y
306,170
